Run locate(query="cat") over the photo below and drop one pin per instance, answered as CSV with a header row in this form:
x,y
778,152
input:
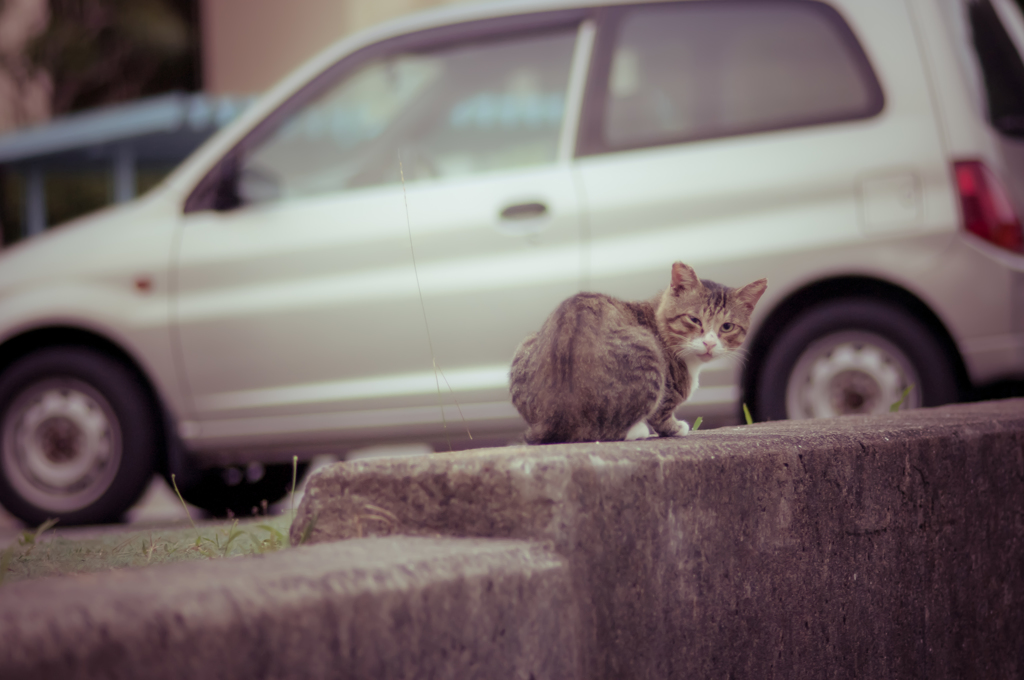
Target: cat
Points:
x,y
603,369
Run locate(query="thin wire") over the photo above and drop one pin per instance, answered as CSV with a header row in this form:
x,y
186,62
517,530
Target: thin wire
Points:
x,y
426,324
456,399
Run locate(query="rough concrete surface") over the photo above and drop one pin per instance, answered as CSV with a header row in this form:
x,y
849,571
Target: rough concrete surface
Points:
x,y
859,547
376,608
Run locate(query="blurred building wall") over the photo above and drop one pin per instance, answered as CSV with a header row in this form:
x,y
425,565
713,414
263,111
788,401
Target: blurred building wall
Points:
x,y
248,45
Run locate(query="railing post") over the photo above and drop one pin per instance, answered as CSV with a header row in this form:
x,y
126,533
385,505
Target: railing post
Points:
x,y
124,173
35,201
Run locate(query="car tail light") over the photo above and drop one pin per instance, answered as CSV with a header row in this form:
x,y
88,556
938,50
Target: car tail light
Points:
x,y
986,206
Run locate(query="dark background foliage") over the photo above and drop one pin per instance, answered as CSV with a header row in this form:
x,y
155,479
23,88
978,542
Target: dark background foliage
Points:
x,y
107,51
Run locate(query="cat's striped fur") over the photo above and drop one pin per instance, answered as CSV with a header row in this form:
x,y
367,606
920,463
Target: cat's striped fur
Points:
x,y
603,369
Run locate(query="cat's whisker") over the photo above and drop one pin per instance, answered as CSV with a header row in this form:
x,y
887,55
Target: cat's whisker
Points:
x,y
739,356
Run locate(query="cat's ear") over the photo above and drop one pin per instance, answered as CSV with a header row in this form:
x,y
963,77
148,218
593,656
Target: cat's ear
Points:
x,y
749,294
683,278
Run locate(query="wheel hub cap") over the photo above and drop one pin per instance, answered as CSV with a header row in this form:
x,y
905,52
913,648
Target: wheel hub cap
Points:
x,y
62,445
60,439
849,372
854,392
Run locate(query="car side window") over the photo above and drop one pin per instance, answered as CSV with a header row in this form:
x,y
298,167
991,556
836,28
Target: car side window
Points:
x,y
1001,66
459,110
699,70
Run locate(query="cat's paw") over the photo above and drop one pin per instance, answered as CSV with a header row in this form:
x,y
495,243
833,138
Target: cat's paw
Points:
x,y
639,431
674,428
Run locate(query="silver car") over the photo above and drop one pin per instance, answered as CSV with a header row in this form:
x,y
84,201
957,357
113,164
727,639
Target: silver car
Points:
x,y
354,261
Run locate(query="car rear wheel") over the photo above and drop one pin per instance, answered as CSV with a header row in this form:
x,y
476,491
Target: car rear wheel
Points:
x,y
78,437
852,356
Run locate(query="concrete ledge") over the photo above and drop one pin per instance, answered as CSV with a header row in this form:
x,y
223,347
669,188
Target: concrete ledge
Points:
x,y
375,608
871,547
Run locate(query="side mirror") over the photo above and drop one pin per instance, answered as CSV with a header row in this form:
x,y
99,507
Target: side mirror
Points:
x,y
218,190
225,196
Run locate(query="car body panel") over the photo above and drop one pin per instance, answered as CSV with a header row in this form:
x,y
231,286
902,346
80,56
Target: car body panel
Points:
x,y
767,204
329,290
106,274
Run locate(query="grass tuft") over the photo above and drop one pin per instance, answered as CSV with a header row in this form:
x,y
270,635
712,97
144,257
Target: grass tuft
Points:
x,y
746,414
897,404
308,529
29,557
184,505
295,474
6,557
696,423
59,556
275,541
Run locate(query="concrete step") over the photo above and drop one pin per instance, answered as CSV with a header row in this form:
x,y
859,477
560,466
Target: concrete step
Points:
x,y
866,546
398,607
879,546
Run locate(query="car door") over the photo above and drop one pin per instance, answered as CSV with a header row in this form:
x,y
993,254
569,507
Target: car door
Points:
x,y
752,139
408,210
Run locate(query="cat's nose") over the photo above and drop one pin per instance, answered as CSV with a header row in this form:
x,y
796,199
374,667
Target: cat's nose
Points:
x,y
710,341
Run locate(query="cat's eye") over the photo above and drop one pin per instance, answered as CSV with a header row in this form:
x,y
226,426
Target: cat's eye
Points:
x,y
726,327
694,320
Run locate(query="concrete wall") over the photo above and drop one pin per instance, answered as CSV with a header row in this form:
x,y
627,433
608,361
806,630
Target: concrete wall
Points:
x,y
370,609
860,547
870,547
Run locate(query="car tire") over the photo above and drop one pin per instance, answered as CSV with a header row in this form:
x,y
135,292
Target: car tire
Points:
x,y
78,437
852,356
241,491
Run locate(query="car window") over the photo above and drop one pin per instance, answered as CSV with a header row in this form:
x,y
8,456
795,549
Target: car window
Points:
x,y
698,70
464,109
1001,66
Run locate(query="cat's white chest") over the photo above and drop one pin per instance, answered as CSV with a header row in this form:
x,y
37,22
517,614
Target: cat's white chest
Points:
x,y
693,366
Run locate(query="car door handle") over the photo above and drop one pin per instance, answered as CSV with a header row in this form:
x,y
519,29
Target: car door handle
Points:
x,y
524,211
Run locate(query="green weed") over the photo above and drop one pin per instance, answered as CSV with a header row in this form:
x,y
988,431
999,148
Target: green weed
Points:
x,y
59,556
746,414
274,541
6,557
295,474
308,529
903,397
696,424
27,557
188,514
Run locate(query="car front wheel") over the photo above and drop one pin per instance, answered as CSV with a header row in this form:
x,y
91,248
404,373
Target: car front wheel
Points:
x,y
852,356
78,437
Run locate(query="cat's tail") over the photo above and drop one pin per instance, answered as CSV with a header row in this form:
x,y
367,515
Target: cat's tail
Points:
x,y
555,430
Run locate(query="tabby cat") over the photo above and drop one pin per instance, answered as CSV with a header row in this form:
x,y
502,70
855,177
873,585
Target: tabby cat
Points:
x,y
603,369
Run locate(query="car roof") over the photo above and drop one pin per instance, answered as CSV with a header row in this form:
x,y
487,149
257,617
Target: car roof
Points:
x,y
461,12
